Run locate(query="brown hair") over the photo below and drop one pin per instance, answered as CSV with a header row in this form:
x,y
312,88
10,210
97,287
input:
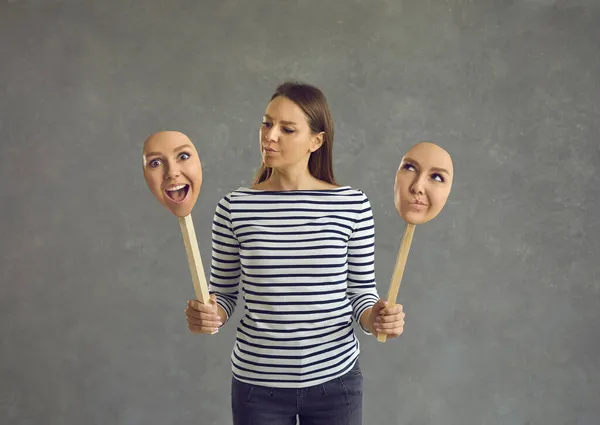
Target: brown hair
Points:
x,y
313,103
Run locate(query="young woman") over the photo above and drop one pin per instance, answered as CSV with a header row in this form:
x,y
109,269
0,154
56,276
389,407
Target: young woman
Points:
x,y
301,250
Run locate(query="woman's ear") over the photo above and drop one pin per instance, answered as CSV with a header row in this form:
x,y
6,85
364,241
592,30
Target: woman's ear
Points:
x,y
317,141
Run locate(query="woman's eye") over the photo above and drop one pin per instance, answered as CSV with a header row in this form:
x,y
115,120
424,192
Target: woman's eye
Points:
x,y
184,155
438,177
266,124
288,130
154,163
408,167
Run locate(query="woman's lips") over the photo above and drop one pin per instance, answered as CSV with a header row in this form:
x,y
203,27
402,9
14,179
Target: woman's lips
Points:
x,y
268,149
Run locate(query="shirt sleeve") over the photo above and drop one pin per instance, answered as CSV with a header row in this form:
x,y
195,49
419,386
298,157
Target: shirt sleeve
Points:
x,y
362,289
225,268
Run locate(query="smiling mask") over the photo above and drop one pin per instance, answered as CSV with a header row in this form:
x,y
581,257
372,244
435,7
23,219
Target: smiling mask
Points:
x,y
173,171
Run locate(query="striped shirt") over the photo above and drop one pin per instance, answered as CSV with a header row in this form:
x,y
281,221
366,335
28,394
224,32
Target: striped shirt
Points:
x,y
304,262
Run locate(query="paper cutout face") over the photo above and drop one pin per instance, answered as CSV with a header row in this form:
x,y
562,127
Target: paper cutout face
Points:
x,y
173,171
423,183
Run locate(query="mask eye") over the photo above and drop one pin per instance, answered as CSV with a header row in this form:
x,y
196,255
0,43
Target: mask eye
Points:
x,y
438,177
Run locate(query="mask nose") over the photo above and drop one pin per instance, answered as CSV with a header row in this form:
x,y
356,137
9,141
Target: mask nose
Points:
x,y
172,172
417,187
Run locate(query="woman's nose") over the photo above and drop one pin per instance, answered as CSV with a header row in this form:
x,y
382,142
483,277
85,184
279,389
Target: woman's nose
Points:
x,y
272,134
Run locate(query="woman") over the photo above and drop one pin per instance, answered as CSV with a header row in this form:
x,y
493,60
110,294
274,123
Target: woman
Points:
x,y
301,248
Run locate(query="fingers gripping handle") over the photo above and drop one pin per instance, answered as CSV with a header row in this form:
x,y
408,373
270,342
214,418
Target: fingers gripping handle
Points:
x,y
194,260
398,271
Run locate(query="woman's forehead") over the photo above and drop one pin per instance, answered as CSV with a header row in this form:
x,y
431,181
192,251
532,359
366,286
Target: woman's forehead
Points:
x,y
283,109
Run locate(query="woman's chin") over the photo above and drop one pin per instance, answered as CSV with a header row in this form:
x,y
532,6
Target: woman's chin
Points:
x,y
270,162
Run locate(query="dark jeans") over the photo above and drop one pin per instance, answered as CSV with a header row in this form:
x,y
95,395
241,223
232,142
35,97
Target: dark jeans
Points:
x,y
336,402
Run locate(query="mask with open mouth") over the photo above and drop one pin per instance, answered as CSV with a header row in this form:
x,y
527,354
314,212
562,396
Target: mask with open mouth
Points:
x,y
423,183
173,171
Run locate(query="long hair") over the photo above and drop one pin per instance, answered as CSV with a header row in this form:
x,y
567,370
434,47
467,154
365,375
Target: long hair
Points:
x,y
313,103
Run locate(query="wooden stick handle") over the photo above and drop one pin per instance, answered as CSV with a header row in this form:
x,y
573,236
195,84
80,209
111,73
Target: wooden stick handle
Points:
x,y
194,260
398,271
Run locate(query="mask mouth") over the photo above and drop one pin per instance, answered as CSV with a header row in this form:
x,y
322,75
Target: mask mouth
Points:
x,y
418,202
177,193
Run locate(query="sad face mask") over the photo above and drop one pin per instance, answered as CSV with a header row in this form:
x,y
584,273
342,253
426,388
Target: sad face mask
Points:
x,y
423,183
173,171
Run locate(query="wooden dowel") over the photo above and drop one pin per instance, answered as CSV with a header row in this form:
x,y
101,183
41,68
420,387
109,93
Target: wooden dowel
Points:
x,y
194,260
398,271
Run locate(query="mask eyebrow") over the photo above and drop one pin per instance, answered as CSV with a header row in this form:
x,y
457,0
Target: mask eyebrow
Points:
x,y
438,169
177,149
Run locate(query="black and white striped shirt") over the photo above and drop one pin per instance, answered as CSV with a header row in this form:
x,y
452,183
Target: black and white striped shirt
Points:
x,y
304,261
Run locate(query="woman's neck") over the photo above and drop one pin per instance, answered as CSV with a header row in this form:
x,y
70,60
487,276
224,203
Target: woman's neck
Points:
x,y
282,181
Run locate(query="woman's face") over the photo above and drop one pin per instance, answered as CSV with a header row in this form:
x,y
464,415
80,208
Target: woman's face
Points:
x,y
173,171
285,136
423,183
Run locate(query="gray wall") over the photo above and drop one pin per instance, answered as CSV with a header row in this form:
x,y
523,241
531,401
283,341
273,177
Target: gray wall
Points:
x,y
501,291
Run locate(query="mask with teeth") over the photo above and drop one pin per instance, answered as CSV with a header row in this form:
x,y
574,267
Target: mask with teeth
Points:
x,y
423,183
173,171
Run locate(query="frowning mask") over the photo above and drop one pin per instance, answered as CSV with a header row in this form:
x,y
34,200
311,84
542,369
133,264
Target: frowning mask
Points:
x,y
423,183
173,171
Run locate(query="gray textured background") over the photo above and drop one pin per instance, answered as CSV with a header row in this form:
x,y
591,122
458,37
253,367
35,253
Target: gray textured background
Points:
x,y
501,291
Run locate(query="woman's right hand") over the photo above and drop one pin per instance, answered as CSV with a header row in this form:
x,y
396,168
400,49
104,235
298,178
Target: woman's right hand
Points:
x,y
202,318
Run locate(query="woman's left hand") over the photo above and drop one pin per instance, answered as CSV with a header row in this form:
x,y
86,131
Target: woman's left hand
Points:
x,y
388,320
